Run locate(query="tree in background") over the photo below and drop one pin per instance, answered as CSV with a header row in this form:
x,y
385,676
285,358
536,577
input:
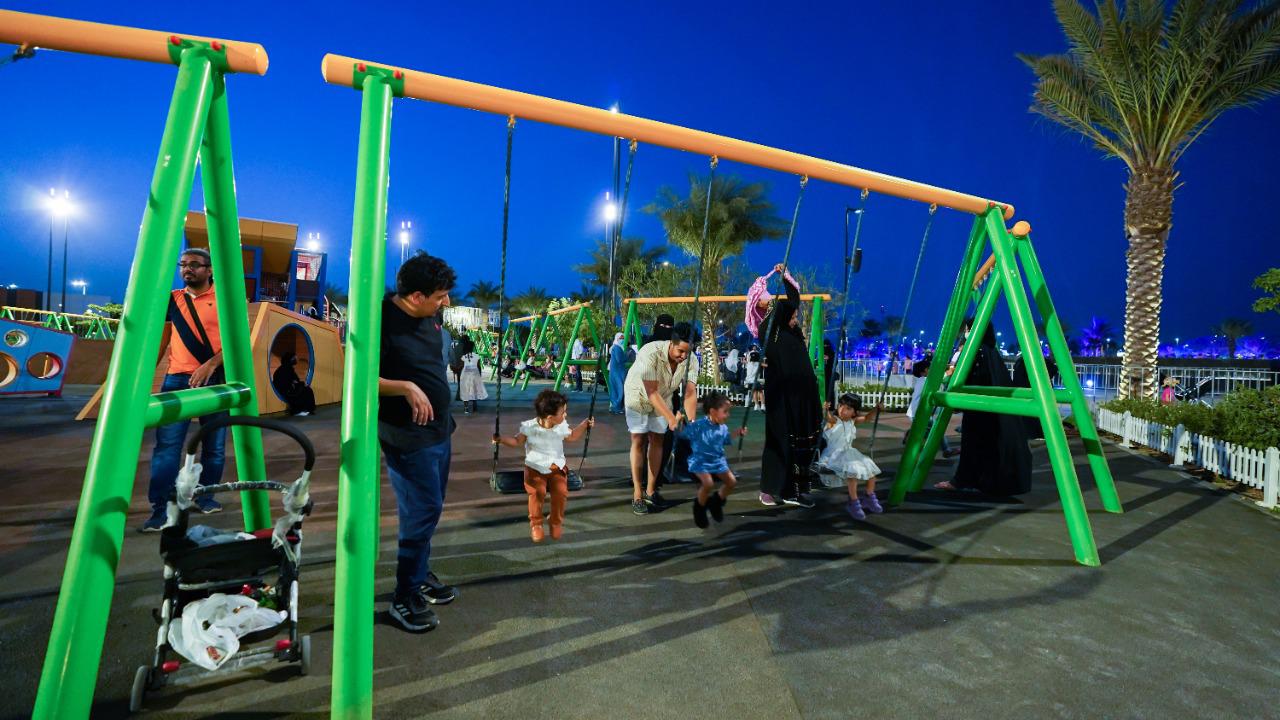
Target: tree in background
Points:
x,y
530,302
1233,329
595,272
739,214
1269,283
1095,337
484,294
1143,86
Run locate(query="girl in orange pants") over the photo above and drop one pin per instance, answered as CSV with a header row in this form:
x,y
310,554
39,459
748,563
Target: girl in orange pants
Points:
x,y
545,471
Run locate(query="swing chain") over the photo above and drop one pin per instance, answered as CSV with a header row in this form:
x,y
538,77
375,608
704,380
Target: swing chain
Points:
x,y
865,193
511,121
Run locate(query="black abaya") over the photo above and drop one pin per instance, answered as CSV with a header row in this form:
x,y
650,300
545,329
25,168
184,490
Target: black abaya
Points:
x,y
994,457
1021,378
793,411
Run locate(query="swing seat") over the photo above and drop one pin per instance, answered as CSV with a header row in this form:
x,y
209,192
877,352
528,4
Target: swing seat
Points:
x,y
511,482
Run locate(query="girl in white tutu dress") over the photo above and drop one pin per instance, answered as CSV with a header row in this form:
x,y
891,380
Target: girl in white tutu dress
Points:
x,y
843,459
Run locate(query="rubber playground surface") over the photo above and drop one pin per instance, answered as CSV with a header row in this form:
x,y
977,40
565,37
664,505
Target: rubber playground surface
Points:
x,y
949,606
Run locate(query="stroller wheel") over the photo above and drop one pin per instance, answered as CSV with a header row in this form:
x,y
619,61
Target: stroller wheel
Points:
x,y
305,652
140,680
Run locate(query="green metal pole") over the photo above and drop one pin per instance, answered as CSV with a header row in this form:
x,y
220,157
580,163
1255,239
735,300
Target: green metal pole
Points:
x,y
815,349
963,400
904,479
360,472
631,326
218,178
1055,438
88,582
573,336
171,407
1071,382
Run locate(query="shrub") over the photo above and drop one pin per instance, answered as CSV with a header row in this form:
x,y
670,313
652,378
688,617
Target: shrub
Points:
x,y
1244,417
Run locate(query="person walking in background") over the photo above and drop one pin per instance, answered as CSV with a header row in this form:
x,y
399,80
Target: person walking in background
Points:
x,y
619,357
470,381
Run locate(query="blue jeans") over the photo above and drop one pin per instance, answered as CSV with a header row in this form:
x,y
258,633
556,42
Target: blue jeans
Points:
x,y
617,378
419,478
168,454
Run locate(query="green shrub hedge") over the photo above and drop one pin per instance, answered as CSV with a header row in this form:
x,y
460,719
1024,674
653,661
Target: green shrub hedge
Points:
x,y
1245,417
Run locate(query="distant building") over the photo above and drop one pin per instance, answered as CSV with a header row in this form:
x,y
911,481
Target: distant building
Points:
x,y
22,297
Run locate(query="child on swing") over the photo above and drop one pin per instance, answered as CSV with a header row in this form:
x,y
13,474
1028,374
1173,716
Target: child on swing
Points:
x,y
545,468
844,460
708,437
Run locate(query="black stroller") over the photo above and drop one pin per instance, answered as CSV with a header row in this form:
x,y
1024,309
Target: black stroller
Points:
x,y
240,567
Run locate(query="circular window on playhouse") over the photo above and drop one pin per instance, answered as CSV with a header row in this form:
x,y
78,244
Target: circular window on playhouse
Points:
x,y
16,338
291,341
8,369
44,365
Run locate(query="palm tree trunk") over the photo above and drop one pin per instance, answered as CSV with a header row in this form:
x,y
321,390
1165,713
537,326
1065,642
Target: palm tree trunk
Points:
x,y
710,353
1148,215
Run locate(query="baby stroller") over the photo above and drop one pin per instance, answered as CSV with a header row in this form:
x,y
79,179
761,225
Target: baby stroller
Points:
x,y
236,567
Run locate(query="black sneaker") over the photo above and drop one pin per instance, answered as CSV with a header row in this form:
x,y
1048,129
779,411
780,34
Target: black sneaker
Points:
x,y
436,592
699,514
715,504
639,507
413,614
655,501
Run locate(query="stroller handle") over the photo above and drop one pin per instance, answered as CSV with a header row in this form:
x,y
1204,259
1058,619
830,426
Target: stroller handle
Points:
x,y
266,423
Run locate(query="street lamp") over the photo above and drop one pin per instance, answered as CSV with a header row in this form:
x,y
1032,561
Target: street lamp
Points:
x,y
313,242
83,285
406,228
59,207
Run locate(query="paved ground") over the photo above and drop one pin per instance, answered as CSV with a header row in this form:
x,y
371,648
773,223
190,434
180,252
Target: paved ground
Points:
x,y
946,607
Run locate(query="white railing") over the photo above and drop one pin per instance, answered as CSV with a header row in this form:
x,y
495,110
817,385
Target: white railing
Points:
x,y
894,399
1256,468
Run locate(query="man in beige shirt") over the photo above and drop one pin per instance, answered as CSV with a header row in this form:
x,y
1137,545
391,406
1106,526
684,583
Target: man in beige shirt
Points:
x,y
661,367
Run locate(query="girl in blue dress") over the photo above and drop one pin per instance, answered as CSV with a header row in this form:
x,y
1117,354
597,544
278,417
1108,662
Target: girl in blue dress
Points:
x,y
707,438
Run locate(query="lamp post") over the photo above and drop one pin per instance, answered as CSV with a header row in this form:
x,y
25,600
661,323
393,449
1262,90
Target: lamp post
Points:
x,y
313,241
58,206
612,233
83,285
406,228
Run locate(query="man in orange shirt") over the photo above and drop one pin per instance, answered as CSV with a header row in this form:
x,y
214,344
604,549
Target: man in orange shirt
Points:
x,y
195,360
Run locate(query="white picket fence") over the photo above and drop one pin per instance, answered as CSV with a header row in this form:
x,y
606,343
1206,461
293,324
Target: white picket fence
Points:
x,y
895,399
1255,468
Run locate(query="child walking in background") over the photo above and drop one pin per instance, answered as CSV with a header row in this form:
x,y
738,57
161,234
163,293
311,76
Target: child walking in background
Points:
x,y
843,459
707,438
470,383
545,469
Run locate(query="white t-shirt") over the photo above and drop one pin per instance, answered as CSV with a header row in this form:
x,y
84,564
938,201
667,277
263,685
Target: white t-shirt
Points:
x,y
579,350
544,447
731,360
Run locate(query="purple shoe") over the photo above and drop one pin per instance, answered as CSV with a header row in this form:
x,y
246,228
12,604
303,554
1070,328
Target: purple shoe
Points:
x,y
855,510
767,499
871,504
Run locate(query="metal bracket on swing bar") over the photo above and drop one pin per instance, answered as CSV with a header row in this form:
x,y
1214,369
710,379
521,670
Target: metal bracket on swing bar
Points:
x,y
461,93
362,70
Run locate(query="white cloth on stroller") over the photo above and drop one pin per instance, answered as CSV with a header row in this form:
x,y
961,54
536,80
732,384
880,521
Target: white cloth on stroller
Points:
x,y
211,627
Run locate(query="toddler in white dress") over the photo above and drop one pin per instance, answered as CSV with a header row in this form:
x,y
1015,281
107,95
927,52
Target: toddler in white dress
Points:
x,y
843,459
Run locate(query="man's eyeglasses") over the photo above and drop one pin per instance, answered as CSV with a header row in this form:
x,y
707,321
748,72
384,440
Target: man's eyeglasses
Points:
x,y
185,265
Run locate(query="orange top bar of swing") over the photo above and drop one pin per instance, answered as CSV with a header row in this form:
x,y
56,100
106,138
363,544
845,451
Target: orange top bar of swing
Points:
x,y
553,313
53,33
709,299
340,70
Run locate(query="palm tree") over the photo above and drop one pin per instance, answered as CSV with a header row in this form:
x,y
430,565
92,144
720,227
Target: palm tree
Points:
x,y
1094,338
739,214
484,294
1233,329
596,271
531,302
1143,86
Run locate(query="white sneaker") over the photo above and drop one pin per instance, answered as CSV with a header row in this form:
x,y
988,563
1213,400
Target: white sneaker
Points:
x,y
304,413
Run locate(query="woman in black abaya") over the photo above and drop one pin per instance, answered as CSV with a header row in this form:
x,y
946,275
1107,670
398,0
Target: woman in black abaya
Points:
x,y
793,412
994,458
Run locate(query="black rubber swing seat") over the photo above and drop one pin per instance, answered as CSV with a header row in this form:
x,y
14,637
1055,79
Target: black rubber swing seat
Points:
x,y
511,482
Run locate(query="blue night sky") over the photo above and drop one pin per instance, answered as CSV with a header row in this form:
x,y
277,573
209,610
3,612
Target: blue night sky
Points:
x,y
926,91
